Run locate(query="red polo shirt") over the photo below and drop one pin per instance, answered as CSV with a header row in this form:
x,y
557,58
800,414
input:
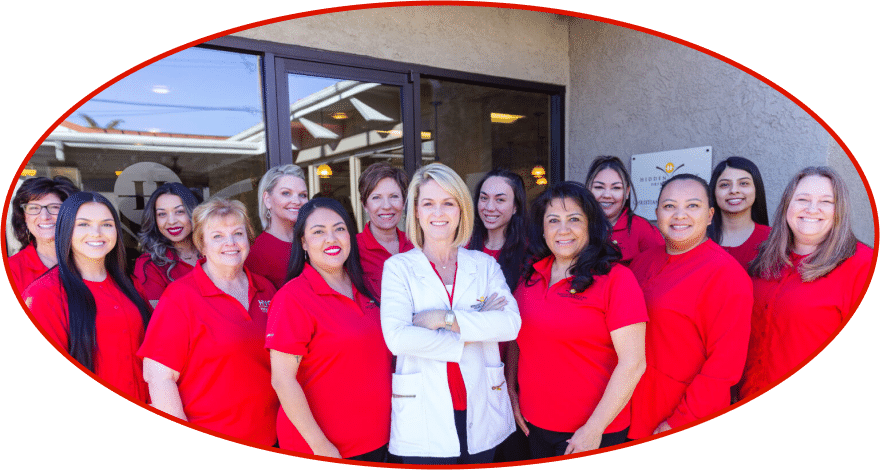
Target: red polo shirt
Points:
x,y
269,257
119,329
640,237
700,304
792,319
217,347
155,278
745,253
566,353
26,266
373,256
345,371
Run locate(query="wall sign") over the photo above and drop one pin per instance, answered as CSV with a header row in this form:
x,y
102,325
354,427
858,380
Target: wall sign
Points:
x,y
650,170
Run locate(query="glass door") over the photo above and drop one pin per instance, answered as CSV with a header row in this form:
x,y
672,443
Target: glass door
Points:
x,y
336,121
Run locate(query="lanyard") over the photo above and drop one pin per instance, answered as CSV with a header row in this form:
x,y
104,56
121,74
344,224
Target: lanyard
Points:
x,y
454,275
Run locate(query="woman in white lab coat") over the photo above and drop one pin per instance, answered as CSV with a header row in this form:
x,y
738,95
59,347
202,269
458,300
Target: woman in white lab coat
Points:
x,y
444,310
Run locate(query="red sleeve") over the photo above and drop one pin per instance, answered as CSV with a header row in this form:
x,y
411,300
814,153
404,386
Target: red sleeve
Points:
x,y
625,300
48,306
649,236
167,340
290,328
858,278
151,277
725,332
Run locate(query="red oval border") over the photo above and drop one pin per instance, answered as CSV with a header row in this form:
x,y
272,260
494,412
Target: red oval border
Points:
x,y
471,4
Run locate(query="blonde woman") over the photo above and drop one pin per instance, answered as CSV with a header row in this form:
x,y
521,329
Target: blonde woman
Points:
x,y
444,310
808,278
282,192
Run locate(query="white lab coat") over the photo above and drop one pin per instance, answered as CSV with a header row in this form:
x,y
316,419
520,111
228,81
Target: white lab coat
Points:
x,y
422,421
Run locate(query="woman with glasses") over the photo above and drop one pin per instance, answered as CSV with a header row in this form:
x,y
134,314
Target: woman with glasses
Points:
x,y
34,212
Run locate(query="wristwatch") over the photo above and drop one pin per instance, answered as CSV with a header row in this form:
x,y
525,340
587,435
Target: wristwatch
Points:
x,y
449,319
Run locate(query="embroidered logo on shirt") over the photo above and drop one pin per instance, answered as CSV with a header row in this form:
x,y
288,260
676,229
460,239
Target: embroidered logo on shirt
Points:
x,y
264,305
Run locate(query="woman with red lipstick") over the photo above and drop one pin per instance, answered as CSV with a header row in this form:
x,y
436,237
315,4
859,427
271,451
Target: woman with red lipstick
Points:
x,y
739,224
582,342
166,238
34,211
610,183
808,278
87,305
282,192
381,187
500,231
444,310
699,301
330,366
203,352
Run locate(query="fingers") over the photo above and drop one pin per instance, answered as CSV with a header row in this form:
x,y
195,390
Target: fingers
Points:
x,y
570,448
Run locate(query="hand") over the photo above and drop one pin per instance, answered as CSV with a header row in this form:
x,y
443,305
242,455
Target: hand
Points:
x,y
583,440
663,427
517,414
494,302
327,450
430,319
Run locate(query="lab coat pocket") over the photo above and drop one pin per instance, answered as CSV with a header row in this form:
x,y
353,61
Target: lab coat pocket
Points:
x,y
408,420
499,411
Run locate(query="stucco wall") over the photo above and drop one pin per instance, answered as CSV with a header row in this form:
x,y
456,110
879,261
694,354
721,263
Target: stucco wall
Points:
x,y
634,93
508,43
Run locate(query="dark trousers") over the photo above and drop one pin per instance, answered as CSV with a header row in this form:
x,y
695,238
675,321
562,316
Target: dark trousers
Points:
x,y
514,448
378,455
465,457
544,443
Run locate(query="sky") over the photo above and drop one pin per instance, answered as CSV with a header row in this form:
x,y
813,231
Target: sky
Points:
x,y
196,91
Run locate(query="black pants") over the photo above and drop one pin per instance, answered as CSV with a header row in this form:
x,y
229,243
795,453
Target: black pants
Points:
x,y
514,448
544,443
378,455
464,458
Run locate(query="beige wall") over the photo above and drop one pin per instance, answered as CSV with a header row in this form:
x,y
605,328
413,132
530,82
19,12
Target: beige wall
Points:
x,y
494,41
626,92
633,93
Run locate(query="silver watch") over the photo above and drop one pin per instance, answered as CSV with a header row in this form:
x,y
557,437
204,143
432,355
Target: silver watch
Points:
x,y
449,319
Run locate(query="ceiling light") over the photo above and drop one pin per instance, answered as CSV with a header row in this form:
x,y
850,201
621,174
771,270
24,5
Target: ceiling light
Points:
x,y
339,115
505,118
542,181
29,172
161,89
538,171
324,171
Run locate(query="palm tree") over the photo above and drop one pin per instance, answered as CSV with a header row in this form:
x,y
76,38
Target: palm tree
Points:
x,y
94,124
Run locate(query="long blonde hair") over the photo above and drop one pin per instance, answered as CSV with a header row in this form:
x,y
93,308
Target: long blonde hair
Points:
x,y
449,180
839,244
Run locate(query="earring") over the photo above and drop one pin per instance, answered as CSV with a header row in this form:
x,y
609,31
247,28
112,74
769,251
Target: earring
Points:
x,y
268,214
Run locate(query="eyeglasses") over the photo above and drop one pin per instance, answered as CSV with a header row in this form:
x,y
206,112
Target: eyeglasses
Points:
x,y
35,209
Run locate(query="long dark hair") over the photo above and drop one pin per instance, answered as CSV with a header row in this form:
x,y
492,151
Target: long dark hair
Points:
x,y
597,258
759,208
298,255
152,241
513,253
614,163
30,190
81,306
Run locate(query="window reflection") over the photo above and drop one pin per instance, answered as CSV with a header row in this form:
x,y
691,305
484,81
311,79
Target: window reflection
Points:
x,y
194,117
474,129
345,125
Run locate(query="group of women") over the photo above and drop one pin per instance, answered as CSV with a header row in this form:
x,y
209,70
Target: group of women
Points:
x,y
486,331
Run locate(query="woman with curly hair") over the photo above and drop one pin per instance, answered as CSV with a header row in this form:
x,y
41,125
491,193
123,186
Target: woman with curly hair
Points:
x,y
582,342
166,238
